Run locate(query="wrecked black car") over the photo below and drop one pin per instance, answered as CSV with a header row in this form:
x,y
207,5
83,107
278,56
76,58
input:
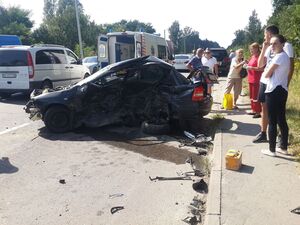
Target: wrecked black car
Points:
x,y
144,91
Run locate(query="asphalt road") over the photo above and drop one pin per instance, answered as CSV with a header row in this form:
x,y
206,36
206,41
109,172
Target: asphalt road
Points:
x,y
77,177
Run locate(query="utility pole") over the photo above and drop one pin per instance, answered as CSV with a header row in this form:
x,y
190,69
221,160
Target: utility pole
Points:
x,y
78,29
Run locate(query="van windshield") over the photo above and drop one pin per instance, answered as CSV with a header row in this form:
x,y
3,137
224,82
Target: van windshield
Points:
x,y
13,58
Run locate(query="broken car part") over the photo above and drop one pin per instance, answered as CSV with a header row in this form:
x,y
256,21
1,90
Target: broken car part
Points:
x,y
196,172
170,178
194,220
200,186
116,209
198,138
116,195
296,210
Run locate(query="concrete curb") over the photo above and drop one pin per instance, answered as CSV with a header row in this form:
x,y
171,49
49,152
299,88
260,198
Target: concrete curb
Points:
x,y
213,209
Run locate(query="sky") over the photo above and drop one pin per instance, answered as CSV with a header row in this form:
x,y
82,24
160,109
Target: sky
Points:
x,y
215,20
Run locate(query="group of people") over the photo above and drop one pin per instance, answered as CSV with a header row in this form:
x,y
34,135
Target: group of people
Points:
x,y
270,70
269,73
204,58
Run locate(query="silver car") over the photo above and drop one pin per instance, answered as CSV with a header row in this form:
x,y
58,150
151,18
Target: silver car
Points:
x,y
91,63
180,61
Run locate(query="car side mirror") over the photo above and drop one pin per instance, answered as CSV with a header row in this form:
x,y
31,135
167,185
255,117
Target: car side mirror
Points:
x,y
79,61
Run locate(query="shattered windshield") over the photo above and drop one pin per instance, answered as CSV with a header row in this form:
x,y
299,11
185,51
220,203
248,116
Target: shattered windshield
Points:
x,y
94,76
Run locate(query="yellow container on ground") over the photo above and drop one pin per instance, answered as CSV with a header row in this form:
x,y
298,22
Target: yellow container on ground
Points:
x,y
228,101
233,159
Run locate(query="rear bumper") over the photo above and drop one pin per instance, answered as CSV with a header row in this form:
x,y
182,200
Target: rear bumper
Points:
x,y
205,106
32,85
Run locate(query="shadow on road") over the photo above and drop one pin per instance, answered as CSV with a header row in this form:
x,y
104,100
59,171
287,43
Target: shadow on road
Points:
x,y
15,99
162,147
6,166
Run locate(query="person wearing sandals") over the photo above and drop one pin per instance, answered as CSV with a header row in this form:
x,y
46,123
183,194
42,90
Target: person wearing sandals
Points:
x,y
254,74
277,75
234,79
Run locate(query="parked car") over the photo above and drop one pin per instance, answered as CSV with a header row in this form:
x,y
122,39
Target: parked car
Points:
x,y
144,90
223,59
91,63
180,61
24,68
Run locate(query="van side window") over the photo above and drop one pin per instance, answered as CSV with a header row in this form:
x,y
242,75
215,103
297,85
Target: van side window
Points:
x,y
59,56
72,57
50,57
43,57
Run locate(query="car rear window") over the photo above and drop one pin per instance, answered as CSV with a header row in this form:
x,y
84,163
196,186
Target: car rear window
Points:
x,y
13,58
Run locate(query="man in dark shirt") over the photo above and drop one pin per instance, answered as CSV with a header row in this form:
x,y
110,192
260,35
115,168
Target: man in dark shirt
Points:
x,y
195,62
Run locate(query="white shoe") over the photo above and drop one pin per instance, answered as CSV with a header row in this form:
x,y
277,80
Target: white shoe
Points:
x,y
282,151
268,152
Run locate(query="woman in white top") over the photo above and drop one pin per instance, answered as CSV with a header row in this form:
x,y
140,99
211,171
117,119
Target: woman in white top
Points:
x,y
276,95
234,79
212,63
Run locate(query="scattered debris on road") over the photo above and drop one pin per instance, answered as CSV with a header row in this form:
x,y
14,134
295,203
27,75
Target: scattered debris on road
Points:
x,y
200,186
116,209
193,220
296,210
62,181
116,195
170,178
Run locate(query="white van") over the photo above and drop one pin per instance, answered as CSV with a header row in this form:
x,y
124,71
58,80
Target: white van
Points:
x,y
24,68
118,46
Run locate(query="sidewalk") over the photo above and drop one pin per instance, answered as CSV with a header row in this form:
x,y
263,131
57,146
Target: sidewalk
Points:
x,y
265,190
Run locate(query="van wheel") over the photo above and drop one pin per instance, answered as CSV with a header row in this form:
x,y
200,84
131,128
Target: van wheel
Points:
x,y
46,84
58,119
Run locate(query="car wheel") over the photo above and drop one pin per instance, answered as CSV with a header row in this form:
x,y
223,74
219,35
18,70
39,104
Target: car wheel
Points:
x,y
46,84
58,119
156,129
86,75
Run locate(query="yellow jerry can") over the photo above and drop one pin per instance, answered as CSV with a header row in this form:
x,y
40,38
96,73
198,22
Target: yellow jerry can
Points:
x,y
228,101
233,159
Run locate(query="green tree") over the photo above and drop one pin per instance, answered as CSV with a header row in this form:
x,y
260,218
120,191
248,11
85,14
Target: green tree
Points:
x,y
175,34
254,32
49,9
133,25
239,40
288,20
14,20
278,5
59,25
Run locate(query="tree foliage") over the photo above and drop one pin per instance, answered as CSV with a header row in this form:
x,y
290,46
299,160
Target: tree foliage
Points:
x,y
59,25
187,39
288,20
253,32
125,25
14,20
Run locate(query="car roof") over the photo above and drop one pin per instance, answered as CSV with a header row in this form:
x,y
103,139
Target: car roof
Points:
x,y
140,61
126,64
28,47
216,49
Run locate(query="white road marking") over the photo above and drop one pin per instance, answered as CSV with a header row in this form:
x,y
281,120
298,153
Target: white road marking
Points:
x,y
14,128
